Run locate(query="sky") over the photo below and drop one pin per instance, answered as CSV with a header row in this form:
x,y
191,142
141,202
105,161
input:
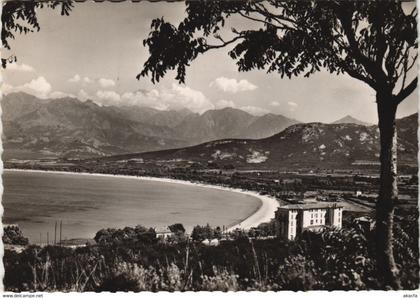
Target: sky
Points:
x,y
96,53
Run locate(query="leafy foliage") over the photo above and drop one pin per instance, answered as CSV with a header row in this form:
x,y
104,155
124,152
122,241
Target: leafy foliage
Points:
x,y
13,235
201,233
177,228
126,236
330,260
20,17
372,41
294,38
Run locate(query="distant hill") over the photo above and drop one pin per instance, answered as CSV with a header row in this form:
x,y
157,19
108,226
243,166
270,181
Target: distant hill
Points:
x,y
349,119
17,104
215,124
265,126
231,123
66,127
152,116
300,145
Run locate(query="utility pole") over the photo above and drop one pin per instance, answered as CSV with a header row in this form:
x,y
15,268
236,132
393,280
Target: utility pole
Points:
x,y
55,233
48,238
61,229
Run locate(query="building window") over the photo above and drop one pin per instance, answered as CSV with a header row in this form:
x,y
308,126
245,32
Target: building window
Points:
x,y
312,222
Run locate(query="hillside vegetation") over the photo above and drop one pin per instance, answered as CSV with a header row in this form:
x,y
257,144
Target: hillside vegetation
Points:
x,y
300,145
327,260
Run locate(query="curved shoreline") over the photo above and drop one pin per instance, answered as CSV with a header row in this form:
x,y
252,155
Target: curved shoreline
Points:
x,y
263,214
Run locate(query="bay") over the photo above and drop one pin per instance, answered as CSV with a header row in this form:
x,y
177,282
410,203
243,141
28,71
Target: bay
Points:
x,y
88,203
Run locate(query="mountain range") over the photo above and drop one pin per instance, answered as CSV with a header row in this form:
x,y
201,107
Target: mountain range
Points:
x,y
69,128
300,145
349,119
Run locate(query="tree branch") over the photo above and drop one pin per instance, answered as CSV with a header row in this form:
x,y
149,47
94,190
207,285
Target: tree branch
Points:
x,y
369,65
265,22
357,75
406,92
211,47
262,10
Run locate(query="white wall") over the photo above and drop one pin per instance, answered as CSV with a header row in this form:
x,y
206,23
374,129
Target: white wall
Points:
x,y
337,217
317,216
292,224
311,217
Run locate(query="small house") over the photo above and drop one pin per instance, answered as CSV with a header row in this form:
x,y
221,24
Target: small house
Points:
x,y
163,233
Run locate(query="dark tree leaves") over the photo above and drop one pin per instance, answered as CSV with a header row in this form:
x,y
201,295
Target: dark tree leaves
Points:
x,y
20,17
372,41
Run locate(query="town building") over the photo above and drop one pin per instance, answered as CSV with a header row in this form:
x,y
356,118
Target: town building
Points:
x,y
291,220
164,233
289,181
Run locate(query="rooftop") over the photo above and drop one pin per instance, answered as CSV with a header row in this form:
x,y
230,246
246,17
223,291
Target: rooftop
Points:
x,y
162,230
318,205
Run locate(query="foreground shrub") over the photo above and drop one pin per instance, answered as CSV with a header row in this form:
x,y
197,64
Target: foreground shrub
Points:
x,y
126,236
13,235
119,283
297,274
222,280
338,259
330,259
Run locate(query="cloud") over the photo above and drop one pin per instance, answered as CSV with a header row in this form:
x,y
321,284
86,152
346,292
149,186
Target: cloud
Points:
x,y
189,98
87,80
76,78
38,87
225,104
108,98
274,103
105,83
6,88
292,106
257,111
83,95
176,97
232,85
144,98
20,67
59,94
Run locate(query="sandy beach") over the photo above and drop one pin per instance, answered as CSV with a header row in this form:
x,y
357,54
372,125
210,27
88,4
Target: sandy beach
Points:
x,y
264,213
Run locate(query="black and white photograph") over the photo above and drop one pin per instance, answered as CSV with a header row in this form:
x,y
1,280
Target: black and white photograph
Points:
x,y
209,145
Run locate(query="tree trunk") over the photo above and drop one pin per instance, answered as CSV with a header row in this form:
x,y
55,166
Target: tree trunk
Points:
x,y
388,192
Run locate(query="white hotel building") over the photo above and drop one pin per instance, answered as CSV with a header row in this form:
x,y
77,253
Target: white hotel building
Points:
x,y
292,220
